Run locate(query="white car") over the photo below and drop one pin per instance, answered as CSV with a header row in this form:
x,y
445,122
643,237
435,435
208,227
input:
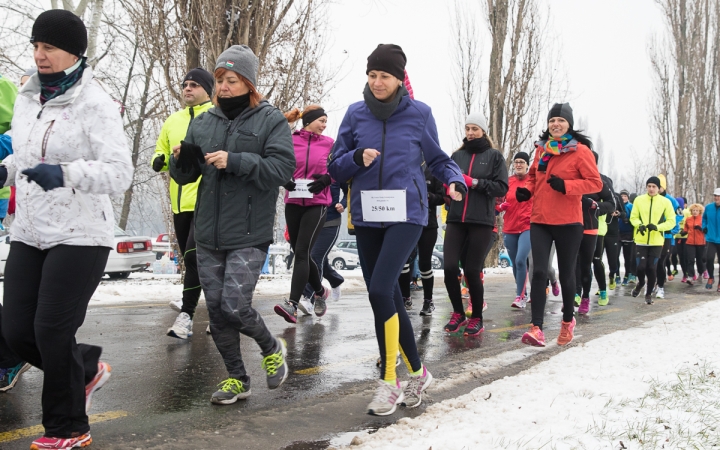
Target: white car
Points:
x,y
341,259
131,254
162,245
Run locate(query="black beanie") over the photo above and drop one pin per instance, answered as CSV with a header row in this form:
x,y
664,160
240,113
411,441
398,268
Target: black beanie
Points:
x,y
562,110
653,180
522,155
61,29
201,77
389,58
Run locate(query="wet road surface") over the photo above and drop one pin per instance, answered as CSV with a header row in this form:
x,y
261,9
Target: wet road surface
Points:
x,y
158,396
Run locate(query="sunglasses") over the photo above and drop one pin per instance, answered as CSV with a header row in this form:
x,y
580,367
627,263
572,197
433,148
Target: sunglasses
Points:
x,y
190,84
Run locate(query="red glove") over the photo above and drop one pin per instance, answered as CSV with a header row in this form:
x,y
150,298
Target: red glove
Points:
x,y
468,181
503,206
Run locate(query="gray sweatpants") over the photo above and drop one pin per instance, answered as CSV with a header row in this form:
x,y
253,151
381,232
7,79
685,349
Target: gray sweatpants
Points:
x,y
228,279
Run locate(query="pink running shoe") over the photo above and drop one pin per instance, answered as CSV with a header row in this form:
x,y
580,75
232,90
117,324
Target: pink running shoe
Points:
x,y
695,277
584,307
456,322
566,332
103,374
534,336
706,275
61,443
684,279
555,288
519,302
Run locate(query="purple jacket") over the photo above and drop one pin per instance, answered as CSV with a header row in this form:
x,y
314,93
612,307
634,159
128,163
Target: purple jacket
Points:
x,y
404,140
311,153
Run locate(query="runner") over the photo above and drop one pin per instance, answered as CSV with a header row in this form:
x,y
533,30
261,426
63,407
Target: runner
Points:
x,y
470,223
612,241
668,243
679,254
694,243
516,227
428,238
381,145
235,211
196,89
627,240
70,155
562,172
307,197
711,228
652,215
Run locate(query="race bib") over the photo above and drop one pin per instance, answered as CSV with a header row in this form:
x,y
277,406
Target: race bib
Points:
x,y
301,190
384,206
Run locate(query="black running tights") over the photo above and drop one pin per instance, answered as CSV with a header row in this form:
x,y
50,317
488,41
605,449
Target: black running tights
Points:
x,y
583,268
476,238
304,225
647,258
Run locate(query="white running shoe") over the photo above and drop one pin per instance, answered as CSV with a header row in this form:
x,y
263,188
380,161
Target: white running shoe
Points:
x,y
182,328
208,330
335,294
305,306
386,399
660,293
176,305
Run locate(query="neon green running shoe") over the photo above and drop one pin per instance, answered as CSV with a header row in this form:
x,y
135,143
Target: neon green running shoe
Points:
x,y
612,285
274,365
603,300
577,300
231,390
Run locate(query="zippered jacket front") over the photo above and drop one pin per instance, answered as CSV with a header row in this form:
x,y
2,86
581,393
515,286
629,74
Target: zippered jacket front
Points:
x,y
656,210
311,156
236,205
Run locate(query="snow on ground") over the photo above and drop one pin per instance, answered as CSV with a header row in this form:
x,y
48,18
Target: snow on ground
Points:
x,y
653,386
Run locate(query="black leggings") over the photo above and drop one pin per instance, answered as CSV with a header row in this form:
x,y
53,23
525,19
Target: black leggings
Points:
x,y
628,250
583,268
406,275
567,240
46,297
185,234
476,239
680,255
711,250
598,265
661,275
612,250
647,258
426,245
304,225
694,254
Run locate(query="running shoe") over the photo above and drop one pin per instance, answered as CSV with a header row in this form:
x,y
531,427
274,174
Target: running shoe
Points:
x,y
386,399
176,305
660,293
633,279
305,306
427,308
597,292
603,300
231,390
706,275
636,290
320,302
465,292
674,272
617,279
457,321
655,289
474,327
709,284
578,300
625,281
415,287
555,288
695,277
689,281
612,285
534,337
287,311
275,366
584,307
566,331
547,291
207,330
648,299
182,328
670,277
519,302
101,377
527,298
684,279
335,294
46,442
407,301
10,376
414,388
468,310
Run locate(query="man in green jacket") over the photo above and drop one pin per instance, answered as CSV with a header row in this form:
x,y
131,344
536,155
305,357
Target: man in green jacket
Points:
x,y
652,215
197,89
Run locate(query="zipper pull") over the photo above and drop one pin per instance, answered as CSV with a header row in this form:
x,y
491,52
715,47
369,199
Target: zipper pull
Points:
x,y
40,113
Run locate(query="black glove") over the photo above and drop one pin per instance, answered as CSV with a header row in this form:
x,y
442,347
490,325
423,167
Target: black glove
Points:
x,y
641,229
522,194
683,233
320,183
588,203
191,157
705,230
158,163
557,183
3,175
290,186
652,227
698,227
459,187
47,176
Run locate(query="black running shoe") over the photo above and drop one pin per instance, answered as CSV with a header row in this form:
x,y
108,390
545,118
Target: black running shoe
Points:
x,y
428,308
408,303
287,311
648,299
637,289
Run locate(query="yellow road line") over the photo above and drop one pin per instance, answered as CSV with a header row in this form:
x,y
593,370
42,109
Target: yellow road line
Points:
x,y
38,430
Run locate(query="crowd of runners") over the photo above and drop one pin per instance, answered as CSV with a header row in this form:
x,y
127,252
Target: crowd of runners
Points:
x,y
228,152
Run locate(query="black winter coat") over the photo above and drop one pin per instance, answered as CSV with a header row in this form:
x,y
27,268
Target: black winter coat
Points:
x,y
436,197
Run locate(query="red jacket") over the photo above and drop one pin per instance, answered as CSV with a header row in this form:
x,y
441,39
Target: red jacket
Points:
x,y
581,176
694,237
517,215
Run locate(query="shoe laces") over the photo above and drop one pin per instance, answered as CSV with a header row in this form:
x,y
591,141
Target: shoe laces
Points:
x,y
383,392
271,363
231,385
413,385
455,318
565,329
472,323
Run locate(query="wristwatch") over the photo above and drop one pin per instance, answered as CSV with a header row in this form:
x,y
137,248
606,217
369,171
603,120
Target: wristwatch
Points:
x,y
474,183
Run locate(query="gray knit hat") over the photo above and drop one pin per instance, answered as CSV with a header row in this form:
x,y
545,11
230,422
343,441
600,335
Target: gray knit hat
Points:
x,y
562,110
241,60
478,119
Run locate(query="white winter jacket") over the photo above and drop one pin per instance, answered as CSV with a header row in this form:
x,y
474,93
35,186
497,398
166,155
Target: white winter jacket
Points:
x,y
83,132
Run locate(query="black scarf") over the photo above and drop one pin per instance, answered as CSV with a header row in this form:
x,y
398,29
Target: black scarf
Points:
x,y
56,84
476,145
383,110
234,106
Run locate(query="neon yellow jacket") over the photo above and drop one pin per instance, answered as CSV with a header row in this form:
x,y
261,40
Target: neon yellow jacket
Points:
x,y
685,214
657,210
8,93
173,131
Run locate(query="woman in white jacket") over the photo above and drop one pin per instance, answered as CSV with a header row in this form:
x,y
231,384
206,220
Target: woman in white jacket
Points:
x,y
70,154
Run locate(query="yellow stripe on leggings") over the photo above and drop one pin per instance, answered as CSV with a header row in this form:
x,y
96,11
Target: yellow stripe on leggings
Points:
x,y
392,337
38,430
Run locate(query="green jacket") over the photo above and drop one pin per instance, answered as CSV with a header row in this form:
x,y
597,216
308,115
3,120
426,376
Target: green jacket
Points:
x,y
236,205
8,93
182,198
657,210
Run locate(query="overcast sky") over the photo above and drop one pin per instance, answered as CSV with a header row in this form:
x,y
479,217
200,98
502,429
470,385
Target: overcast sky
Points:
x,y
603,45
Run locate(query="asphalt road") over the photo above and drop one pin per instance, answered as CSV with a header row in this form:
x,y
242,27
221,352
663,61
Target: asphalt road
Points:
x,y
159,393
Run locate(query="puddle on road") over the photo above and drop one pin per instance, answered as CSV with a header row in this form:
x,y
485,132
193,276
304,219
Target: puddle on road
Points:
x,y
340,440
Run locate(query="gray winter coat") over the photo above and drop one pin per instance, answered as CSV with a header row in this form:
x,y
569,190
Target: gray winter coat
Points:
x,y
236,206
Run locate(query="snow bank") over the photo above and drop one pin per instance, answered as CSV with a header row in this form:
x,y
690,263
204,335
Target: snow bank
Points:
x,y
651,386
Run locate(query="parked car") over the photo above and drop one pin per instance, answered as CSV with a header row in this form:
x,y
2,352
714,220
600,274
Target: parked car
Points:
x,y
504,259
438,260
348,245
343,259
130,254
162,245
